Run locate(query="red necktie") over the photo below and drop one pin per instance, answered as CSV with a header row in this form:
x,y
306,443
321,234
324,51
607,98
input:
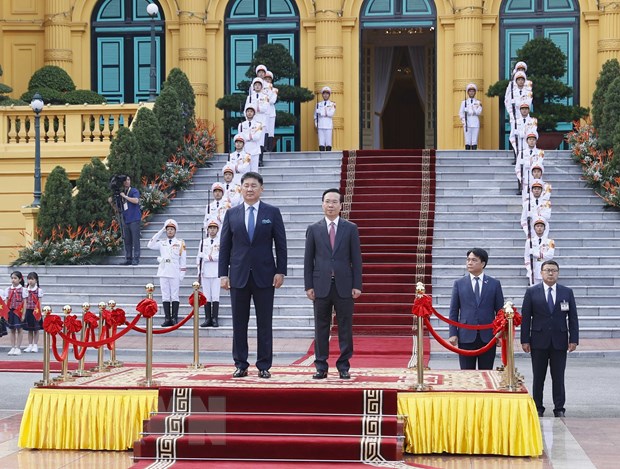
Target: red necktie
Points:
x,y
332,234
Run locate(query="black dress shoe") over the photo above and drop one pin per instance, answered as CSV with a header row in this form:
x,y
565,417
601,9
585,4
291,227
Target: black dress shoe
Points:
x,y
319,375
541,413
344,374
264,374
559,413
240,373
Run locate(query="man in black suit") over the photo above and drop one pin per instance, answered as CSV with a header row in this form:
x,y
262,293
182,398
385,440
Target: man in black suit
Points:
x,y
247,267
333,279
549,329
476,298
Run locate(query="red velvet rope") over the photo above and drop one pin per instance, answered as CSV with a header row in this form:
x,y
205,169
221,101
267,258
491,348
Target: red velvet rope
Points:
x,y
100,342
422,306
452,348
166,329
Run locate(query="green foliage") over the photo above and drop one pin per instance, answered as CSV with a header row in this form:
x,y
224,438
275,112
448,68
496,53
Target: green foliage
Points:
x,y
295,94
168,112
83,97
57,213
123,158
91,201
546,64
49,96
608,129
199,147
148,136
51,76
179,81
153,199
4,89
609,72
232,102
177,176
277,60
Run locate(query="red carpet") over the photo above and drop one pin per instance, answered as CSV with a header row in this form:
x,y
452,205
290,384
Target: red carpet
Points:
x,y
390,195
270,425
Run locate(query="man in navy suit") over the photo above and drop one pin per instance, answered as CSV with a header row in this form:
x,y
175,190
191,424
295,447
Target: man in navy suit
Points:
x,y
476,298
333,280
549,329
247,267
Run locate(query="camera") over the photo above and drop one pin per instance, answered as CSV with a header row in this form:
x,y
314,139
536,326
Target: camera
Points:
x,y
117,184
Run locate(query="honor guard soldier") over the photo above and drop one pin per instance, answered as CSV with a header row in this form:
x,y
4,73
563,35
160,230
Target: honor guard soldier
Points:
x,y
273,98
519,130
232,191
172,266
519,91
261,103
239,160
536,172
323,119
207,263
527,158
252,132
217,208
470,110
535,207
260,71
538,249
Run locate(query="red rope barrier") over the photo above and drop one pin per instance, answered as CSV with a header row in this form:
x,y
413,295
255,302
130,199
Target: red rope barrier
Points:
x,y
452,348
167,329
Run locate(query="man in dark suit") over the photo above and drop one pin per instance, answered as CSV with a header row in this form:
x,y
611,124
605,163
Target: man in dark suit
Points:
x,y
333,279
476,298
247,267
549,329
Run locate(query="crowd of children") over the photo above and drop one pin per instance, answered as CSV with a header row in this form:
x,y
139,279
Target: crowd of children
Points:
x,y
529,169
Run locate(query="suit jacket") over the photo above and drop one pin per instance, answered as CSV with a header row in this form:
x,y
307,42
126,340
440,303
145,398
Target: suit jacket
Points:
x,y
463,307
239,255
540,328
345,260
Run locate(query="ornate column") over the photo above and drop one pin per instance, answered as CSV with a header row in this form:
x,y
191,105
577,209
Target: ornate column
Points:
x,y
328,60
468,63
609,29
193,57
57,25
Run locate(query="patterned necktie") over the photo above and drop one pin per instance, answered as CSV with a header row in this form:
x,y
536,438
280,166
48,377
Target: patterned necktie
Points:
x,y
332,234
251,222
477,289
550,303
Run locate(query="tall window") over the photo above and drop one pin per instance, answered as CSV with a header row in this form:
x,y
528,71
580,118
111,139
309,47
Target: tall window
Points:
x,y
121,50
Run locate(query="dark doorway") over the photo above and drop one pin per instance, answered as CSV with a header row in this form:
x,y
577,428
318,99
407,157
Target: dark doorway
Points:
x,y
403,116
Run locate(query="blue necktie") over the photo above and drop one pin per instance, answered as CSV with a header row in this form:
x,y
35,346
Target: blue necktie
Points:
x,y
477,290
550,303
251,222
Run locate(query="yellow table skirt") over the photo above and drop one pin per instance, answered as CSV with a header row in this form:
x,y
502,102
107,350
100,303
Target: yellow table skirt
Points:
x,y
471,423
85,419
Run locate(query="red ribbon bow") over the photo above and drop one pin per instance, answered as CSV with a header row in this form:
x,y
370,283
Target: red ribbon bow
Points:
x,y
90,319
202,299
52,324
422,307
118,316
147,307
73,324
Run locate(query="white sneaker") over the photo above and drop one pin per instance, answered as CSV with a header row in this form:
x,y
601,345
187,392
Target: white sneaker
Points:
x,y
12,351
35,348
18,351
28,349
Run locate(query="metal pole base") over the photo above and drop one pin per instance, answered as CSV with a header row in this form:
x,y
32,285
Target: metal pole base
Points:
x,y
195,366
43,383
64,378
144,383
100,369
82,373
422,387
113,364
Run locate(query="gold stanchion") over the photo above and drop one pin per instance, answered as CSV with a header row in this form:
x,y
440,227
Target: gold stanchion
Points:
x,y
65,375
510,372
46,354
113,362
196,364
81,372
419,292
100,365
148,381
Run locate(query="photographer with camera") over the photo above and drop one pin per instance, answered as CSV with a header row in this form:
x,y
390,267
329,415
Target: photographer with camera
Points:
x,y
126,200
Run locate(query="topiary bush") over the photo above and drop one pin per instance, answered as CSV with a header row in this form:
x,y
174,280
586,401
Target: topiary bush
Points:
x,y
123,157
51,76
148,137
167,110
91,201
49,96
179,81
83,97
57,213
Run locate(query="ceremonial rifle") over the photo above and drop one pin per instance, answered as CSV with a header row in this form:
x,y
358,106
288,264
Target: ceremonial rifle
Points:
x,y
529,226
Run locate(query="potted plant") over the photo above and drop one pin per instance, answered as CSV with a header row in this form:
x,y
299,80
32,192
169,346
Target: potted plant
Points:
x,y
546,64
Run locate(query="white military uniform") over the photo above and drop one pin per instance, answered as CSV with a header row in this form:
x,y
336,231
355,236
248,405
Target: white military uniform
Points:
x,y
252,133
272,92
518,136
232,190
239,161
517,96
528,158
216,209
323,119
542,249
172,262
546,193
535,208
260,101
470,110
208,256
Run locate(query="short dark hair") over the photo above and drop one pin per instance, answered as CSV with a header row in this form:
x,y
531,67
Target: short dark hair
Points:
x,y
550,262
252,175
480,254
328,191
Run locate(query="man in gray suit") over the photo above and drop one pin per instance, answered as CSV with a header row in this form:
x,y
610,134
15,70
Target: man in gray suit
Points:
x,y
476,298
333,279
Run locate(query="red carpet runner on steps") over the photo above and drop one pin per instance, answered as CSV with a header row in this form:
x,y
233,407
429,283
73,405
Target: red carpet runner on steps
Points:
x,y
390,195
215,425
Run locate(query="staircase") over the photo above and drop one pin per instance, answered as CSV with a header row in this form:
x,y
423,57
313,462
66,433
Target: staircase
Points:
x,y
294,182
476,206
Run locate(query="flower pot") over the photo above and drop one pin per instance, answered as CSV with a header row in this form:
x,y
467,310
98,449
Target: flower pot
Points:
x,y
549,140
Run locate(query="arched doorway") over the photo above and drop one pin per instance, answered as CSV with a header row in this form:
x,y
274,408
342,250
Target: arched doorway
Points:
x,y
398,74
121,50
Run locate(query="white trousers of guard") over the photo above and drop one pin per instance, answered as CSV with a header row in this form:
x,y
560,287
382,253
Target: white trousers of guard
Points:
x,y
471,135
325,137
211,288
169,288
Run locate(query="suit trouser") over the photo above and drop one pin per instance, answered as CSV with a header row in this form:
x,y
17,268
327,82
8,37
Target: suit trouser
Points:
x,y
485,360
263,305
322,326
556,359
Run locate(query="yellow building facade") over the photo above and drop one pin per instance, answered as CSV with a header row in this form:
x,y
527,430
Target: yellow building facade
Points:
x,y
397,68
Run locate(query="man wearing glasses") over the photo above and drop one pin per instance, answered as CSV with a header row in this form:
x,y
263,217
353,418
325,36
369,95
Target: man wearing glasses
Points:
x,y
549,329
